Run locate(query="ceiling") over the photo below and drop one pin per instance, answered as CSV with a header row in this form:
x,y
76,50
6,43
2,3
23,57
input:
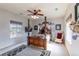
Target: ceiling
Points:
x,y
49,9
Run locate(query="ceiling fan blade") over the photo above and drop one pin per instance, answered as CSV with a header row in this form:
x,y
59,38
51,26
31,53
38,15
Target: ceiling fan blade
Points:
x,y
29,14
41,14
30,11
37,11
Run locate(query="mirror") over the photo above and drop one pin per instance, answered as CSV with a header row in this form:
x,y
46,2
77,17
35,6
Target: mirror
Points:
x,y
77,12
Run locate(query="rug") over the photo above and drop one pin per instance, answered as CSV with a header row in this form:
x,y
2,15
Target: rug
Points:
x,y
14,51
45,53
27,51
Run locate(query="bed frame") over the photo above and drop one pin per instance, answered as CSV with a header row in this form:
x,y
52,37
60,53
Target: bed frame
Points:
x,y
37,41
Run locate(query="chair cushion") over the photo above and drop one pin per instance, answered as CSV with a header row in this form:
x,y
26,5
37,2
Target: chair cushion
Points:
x,y
59,35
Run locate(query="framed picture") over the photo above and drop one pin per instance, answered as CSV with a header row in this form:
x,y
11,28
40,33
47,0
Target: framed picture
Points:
x,y
36,27
58,26
77,12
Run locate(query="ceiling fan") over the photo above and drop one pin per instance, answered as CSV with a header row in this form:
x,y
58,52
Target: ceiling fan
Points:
x,y
35,12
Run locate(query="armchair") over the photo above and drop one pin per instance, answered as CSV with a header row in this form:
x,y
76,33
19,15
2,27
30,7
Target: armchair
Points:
x,y
59,37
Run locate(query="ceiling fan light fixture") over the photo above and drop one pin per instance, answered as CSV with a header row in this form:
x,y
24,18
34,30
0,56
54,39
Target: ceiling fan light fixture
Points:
x,y
34,17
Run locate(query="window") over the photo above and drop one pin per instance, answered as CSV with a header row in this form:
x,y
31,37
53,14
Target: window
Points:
x,y
15,29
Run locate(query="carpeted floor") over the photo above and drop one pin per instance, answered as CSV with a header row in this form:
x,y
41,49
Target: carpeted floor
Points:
x,y
45,53
53,49
33,51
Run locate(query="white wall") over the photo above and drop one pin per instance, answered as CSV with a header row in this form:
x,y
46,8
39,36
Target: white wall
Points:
x,y
68,32
5,18
52,20
73,46
68,38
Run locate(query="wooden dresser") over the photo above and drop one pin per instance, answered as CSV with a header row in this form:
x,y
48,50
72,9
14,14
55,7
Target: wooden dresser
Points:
x,y
37,41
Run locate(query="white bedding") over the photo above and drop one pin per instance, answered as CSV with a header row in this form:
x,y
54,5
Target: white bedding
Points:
x,y
30,51
40,35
